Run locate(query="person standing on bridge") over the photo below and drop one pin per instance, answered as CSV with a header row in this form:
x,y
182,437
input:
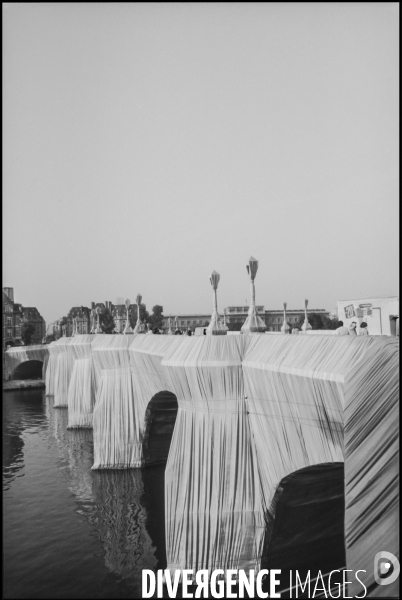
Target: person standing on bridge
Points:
x,y
352,328
342,330
363,329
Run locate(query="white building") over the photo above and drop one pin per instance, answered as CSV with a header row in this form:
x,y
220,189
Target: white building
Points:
x,y
380,314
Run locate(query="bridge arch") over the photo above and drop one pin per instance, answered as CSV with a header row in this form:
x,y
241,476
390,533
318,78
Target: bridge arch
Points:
x,y
29,369
307,529
160,418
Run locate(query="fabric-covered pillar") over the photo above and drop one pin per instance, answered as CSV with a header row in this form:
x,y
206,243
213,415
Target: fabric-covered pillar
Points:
x,y
214,508
82,388
64,367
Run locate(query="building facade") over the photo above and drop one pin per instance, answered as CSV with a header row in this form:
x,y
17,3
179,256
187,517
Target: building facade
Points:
x,y
274,318
185,320
380,314
236,315
33,316
14,315
83,316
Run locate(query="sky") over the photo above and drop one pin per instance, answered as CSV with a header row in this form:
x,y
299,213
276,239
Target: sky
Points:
x,y
146,145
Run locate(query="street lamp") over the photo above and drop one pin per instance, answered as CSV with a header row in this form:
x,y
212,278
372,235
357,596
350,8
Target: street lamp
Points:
x,y
253,323
98,327
93,315
127,328
306,325
139,328
224,320
285,327
215,326
170,332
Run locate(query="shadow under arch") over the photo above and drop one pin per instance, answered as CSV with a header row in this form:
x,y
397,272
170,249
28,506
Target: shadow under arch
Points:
x,y
29,369
160,418
308,528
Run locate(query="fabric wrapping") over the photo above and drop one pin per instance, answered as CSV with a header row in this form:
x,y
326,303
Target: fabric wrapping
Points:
x,y
214,516
295,396
149,377
64,367
252,409
51,370
372,463
44,366
82,388
130,375
115,426
20,354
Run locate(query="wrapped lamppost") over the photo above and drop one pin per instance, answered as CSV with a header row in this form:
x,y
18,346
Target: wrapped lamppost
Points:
x,y
170,332
224,321
306,325
74,331
127,328
285,326
253,323
139,328
176,324
215,326
117,327
93,326
98,327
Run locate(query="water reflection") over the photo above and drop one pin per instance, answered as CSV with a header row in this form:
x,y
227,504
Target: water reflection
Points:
x,y
96,523
22,412
111,500
122,522
77,533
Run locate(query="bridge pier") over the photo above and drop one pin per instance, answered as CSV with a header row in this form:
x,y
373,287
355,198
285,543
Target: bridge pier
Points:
x,y
82,389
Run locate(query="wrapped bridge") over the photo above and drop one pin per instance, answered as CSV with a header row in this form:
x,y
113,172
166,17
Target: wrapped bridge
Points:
x,y
252,409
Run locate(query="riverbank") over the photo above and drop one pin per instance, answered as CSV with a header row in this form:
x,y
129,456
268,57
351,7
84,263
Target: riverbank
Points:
x,y
23,384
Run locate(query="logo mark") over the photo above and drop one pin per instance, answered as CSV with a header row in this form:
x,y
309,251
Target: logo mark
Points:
x,y
386,568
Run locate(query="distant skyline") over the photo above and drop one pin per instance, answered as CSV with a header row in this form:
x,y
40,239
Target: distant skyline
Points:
x,y
145,145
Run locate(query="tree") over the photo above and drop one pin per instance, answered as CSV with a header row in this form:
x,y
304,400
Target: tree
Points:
x,y
315,321
27,331
330,323
156,319
234,326
144,314
106,321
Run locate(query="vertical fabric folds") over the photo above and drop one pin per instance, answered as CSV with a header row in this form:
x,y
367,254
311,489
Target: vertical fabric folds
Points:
x,y
51,370
64,367
372,463
116,429
82,388
214,512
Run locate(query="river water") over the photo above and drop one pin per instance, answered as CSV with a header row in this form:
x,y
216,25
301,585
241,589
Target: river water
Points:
x,y
70,532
